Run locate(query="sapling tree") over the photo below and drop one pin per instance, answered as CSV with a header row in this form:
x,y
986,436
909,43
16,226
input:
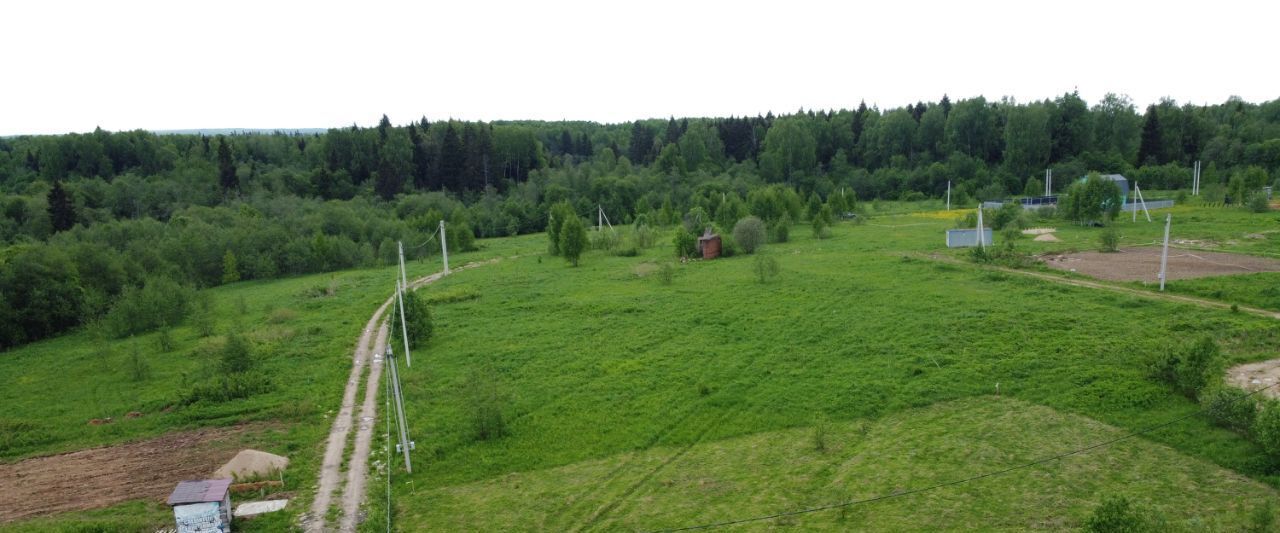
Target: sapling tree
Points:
x,y
573,239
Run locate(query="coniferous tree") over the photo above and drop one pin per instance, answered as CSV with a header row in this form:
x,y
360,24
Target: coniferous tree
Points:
x,y
453,158
62,210
1151,145
566,142
945,104
641,142
226,167
384,126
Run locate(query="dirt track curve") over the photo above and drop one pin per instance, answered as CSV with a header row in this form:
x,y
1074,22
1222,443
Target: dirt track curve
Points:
x,y
368,353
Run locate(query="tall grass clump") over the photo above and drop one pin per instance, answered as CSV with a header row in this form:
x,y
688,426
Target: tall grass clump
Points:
x,y
766,268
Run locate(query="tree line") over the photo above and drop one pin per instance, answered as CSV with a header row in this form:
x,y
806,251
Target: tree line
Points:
x,y
86,216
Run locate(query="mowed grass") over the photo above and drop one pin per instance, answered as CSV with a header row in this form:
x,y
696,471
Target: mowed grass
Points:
x,y
303,331
783,470
597,361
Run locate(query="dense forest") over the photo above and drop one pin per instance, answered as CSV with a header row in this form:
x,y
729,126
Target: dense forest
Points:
x,y
95,225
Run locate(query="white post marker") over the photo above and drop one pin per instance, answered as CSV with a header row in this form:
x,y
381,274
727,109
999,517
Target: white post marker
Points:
x,y
444,248
1164,254
404,328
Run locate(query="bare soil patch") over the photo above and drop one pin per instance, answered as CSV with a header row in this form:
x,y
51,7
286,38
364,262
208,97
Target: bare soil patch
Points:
x,y
1253,376
98,477
1143,264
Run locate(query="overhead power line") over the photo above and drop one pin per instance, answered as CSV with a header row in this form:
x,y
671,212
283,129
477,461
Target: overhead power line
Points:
x,y
945,484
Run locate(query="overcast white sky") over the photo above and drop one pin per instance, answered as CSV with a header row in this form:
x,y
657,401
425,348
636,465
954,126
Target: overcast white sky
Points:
x,y
71,66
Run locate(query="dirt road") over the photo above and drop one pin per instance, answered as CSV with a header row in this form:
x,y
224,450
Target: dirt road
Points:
x,y
367,354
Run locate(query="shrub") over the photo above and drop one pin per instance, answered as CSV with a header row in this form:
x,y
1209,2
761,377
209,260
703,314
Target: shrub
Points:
x,y
417,321
202,317
1266,428
236,355
766,268
1010,213
1258,203
164,340
1189,369
136,366
279,316
1230,408
666,273
749,234
822,222
227,388
781,230
1109,240
161,301
820,433
686,243
1117,515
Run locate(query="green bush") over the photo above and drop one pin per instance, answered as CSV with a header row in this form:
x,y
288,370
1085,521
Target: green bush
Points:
x,y
160,302
1189,369
136,366
228,387
822,222
1258,203
686,243
1266,428
236,355
781,229
749,234
1230,408
1109,240
1117,515
417,321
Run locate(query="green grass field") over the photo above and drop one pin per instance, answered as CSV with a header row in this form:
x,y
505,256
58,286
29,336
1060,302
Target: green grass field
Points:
x,y
597,362
632,404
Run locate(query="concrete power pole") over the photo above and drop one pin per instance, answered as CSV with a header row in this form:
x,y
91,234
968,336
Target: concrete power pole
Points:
x,y
404,328
444,248
1164,254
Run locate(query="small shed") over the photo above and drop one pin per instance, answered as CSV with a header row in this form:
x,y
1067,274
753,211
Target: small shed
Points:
x,y
202,506
709,245
967,238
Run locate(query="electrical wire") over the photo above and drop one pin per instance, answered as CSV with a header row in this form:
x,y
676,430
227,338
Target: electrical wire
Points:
x,y
945,484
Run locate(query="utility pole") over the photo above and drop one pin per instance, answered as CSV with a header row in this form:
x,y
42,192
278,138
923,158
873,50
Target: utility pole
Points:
x,y
403,424
404,280
948,195
599,218
404,328
1164,254
982,241
1137,191
444,247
